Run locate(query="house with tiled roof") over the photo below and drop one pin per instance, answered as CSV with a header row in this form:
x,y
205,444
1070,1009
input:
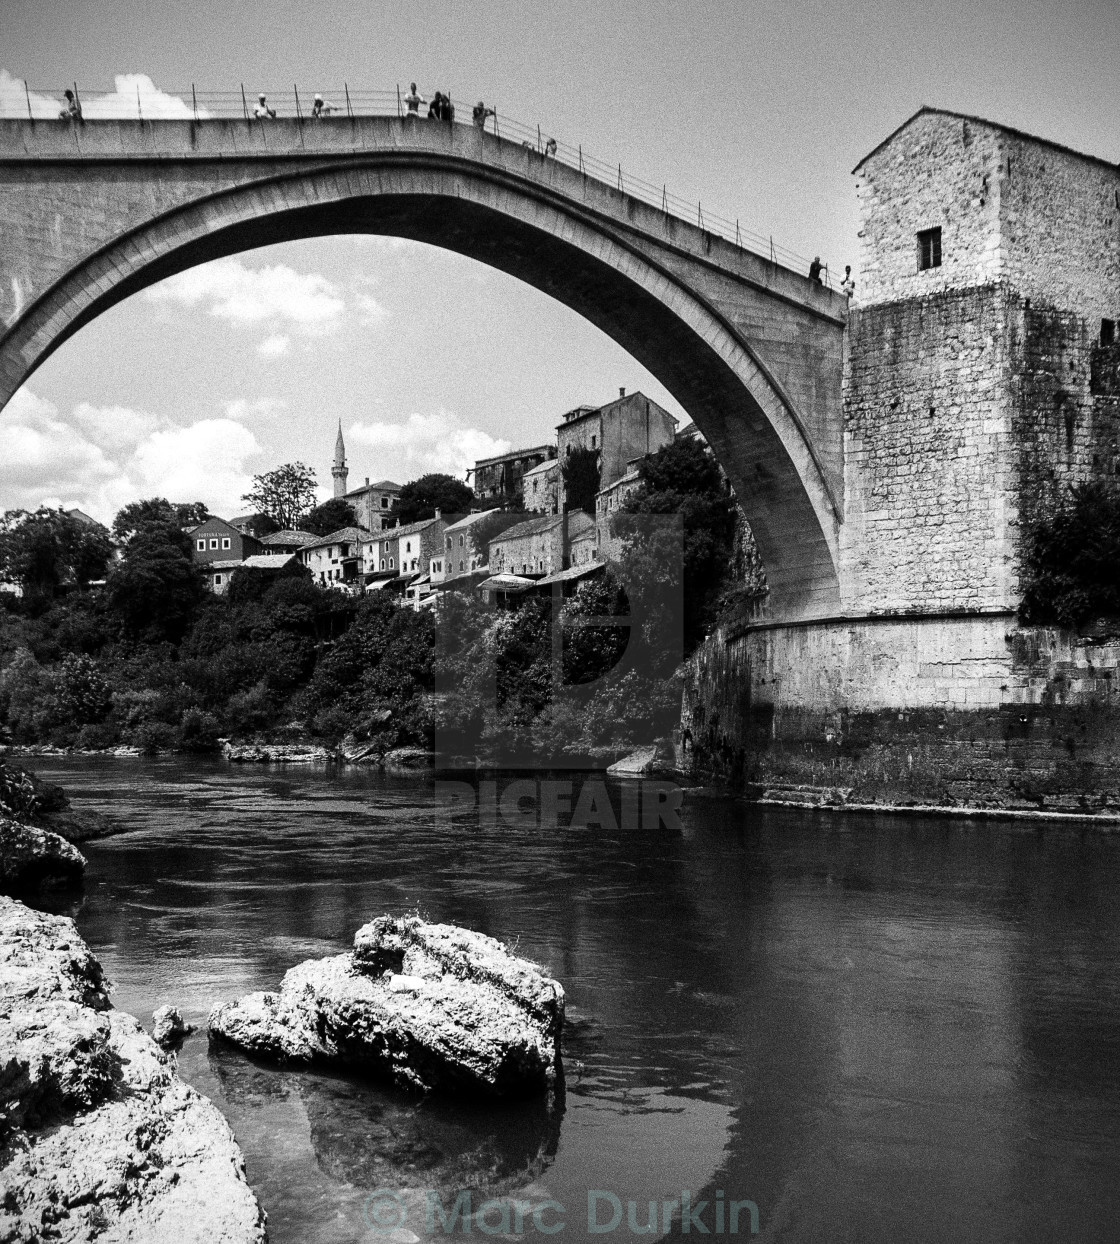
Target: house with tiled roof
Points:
x,y
287,541
336,559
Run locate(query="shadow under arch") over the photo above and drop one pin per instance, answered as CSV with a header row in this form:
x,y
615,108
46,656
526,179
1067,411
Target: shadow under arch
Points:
x,y
545,239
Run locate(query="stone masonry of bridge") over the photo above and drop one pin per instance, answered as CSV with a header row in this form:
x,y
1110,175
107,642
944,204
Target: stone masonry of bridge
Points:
x,y
977,391
92,213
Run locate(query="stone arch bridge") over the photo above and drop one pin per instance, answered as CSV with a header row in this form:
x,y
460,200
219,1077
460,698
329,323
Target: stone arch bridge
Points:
x,y
92,213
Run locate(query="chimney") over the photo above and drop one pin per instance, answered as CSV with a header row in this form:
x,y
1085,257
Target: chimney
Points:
x,y
621,393
367,481
437,512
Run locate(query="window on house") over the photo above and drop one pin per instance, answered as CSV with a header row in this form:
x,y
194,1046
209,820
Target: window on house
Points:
x,y
460,541
929,249
213,544
201,546
460,565
592,442
384,503
217,580
1108,332
408,546
390,563
383,563
225,542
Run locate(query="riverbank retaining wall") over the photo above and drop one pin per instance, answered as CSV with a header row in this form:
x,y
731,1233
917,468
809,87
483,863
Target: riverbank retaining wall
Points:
x,y
972,710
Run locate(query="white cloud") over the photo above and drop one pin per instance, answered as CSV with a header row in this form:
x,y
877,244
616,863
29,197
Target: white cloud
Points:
x,y
274,346
246,296
242,408
100,458
423,443
370,311
135,95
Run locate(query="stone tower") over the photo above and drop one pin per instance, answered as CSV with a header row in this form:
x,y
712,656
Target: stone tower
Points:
x,y
338,470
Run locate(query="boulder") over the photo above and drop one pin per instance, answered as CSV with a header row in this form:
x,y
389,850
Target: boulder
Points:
x,y
645,761
99,1138
169,1027
30,856
428,1006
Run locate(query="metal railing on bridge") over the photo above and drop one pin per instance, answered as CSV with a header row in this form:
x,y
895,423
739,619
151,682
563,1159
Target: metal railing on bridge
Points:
x,y
349,102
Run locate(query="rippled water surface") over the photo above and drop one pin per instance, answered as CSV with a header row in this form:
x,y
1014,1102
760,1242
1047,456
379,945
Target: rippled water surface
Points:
x,y
876,1029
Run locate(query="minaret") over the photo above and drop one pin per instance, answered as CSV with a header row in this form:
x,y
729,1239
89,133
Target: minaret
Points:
x,y
338,471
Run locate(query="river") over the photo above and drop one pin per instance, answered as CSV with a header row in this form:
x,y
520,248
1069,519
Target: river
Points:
x,y
873,1028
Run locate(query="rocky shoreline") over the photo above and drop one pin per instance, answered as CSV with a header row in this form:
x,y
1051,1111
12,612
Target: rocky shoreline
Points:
x,y
99,1137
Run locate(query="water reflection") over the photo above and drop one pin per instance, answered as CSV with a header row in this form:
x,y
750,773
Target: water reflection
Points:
x,y
882,1029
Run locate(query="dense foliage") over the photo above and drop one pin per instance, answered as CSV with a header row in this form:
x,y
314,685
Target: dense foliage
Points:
x,y
1071,559
683,478
47,549
331,516
420,498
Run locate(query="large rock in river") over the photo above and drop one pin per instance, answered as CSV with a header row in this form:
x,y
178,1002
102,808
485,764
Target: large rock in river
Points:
x,y
427,1005
31,856
99,1138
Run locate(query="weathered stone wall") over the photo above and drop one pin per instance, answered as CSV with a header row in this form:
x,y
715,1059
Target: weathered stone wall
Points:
x,y
1060,222
970,711
1010,207
1065,404
929,476
939,170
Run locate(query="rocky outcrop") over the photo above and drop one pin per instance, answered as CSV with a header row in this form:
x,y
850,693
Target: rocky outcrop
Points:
x,y
169,1027
26,798
99,1138
30,857
408,759
427,1005
275,753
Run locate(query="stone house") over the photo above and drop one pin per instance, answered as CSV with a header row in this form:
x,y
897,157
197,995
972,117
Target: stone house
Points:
x,y
537,546
217,540
497,481
287,541
461,554
630,427
336,559
609,501
373,503
541,488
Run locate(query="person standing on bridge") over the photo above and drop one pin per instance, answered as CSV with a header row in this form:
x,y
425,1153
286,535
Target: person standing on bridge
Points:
x,y
321,108
480,113
73,109
413,101
815,269
847,285
262,109
550,147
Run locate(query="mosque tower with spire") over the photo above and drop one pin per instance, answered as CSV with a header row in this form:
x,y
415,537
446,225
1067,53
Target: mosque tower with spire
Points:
x,y
339,471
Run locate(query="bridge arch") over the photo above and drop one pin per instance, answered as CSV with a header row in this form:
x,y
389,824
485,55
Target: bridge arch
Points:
x,y
563,247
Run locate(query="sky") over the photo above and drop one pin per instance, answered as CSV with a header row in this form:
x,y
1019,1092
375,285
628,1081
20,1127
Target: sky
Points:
x,y
757,108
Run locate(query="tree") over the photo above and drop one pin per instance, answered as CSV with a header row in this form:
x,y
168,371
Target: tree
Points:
x,y
284,494
330,516
156,587
43,550
684,478
420,498
1071,557
157,510
580,470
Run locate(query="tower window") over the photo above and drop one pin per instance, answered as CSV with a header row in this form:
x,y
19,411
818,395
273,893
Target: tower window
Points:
x,y
1108,332
929,249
